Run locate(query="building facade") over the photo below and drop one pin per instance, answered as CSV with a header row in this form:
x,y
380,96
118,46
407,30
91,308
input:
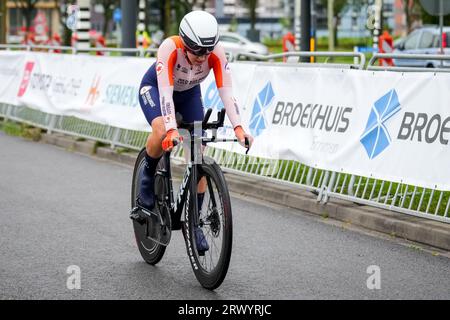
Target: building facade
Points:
x,y
16,22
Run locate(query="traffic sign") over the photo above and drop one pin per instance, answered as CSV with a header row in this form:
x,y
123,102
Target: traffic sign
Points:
x,y
117,15
436,7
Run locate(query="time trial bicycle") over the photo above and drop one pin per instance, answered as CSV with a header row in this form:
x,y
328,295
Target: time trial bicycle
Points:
x,y
153,229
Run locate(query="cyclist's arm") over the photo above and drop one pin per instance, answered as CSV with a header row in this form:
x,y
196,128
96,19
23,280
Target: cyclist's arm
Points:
x,y
167,56
218,62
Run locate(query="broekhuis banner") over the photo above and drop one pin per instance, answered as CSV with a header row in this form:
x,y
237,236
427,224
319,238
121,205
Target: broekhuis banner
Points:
x,y
385,125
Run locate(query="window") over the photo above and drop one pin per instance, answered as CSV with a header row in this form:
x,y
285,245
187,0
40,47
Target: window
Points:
x,y
426,41
436,43
229,39
411,41
437,37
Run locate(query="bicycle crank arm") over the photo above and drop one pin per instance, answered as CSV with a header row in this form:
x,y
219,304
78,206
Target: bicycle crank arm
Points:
x,y
157,230
139,214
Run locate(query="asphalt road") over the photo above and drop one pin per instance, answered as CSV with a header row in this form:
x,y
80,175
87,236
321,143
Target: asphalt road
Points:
x,y
60,209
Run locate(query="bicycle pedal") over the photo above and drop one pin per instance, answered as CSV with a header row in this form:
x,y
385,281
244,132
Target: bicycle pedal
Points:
x,y
136,215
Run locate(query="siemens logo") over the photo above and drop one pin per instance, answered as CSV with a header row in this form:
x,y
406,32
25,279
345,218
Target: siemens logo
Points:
x,y
314,116
426,128
121,95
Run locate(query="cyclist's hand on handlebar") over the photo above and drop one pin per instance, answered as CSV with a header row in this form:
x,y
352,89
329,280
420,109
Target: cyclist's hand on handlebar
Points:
x,y
242,136
171,140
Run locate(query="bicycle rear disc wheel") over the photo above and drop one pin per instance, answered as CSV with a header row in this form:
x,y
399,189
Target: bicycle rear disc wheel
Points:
x,y
215,220
151,251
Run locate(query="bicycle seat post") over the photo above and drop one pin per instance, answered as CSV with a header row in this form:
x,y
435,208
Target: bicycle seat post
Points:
x,y
197,142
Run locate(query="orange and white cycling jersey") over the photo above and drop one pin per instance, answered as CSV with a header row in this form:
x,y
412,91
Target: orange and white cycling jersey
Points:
x,y
175,73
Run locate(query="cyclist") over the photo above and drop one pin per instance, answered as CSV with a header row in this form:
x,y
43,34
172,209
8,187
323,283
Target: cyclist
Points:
x,y
172,84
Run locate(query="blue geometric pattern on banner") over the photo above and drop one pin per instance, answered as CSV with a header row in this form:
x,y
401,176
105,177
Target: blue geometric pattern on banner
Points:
x,y
262,103
376,137
212,98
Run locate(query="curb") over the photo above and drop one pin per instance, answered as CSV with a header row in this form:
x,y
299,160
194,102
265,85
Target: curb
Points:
x,y
417,229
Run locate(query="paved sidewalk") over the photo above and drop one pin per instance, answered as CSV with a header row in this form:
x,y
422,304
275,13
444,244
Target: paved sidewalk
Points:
x,y
429,232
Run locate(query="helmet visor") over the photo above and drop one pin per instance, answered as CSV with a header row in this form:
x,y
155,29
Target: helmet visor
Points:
x,y
201,51
194,48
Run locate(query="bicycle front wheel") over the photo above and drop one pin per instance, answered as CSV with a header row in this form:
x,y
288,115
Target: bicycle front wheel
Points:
x,y
215,222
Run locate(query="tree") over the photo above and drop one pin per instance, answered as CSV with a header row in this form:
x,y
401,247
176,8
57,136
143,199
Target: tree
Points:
x,y
251,5
338,6
233,25
181,8
27,8
62,17
173,11
337,9
3,12
412,11
108,9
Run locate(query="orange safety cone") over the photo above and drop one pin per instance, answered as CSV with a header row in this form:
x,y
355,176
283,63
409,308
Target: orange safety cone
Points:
x,y
55,40
100,43
288,43
386,45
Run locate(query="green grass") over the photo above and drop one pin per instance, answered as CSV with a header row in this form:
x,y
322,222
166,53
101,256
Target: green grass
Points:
x,y
21,130
121,150
367,188
12,128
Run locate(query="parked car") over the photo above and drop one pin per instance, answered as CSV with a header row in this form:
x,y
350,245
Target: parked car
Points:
x,y
424,40
235,43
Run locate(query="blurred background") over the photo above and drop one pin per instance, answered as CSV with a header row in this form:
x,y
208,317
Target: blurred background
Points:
x,y
258,26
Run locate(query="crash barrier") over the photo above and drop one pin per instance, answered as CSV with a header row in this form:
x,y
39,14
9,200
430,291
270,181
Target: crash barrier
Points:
x,y
139,52
351,134
401,56
298,54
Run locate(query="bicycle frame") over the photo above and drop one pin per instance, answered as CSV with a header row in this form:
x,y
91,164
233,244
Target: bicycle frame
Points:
x,y
190,181
187,184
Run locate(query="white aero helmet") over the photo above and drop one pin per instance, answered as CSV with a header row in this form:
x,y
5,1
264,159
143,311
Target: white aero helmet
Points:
x,y
199,32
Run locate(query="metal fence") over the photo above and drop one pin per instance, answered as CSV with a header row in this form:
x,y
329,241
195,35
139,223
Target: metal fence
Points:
x,y
413,200
360,57
403,56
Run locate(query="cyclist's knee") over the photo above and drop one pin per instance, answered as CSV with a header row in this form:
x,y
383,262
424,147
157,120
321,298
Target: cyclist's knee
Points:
x,y
156,137
158,128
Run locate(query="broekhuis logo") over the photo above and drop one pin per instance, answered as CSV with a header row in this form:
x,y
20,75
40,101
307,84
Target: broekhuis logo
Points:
x,y
418,127
376,137
424,128
297,114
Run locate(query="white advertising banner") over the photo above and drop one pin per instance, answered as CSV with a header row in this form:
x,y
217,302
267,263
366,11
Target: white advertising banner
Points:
x,y
386,125
99,89
242,80
11,68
